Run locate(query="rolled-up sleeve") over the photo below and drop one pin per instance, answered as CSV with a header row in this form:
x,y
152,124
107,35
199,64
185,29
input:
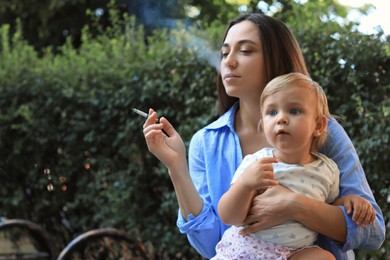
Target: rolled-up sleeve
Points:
x,y
370,237
203,231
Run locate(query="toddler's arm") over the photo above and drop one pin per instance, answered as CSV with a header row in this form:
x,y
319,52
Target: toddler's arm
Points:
x,y
234,204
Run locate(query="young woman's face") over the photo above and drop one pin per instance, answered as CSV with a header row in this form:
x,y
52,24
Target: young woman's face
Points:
x,y
242,67
289,120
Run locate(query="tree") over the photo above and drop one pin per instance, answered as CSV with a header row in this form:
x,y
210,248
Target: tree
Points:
x,y
51,22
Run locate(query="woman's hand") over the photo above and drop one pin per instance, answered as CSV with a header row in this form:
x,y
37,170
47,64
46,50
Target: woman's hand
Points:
x,y
278,205
271,208
169,149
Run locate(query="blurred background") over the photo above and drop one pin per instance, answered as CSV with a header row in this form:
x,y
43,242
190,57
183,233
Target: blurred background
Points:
x,y
73,156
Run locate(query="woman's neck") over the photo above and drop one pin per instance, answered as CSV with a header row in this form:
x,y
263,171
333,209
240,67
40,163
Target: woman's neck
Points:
x,y
246,124
247,117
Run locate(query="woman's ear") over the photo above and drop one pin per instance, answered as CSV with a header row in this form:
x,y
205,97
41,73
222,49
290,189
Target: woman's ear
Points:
x,y
320,126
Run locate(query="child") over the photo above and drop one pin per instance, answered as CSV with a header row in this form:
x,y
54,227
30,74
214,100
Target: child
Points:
x,y
294,114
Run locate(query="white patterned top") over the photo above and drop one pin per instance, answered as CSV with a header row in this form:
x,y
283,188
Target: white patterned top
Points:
x,y
318,180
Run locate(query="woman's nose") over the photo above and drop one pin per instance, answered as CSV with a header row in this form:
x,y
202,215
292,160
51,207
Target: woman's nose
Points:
x,y
231,60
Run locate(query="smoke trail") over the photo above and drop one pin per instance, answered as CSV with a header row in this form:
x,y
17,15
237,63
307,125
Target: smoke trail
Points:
x,y
187,38
157,15
204,52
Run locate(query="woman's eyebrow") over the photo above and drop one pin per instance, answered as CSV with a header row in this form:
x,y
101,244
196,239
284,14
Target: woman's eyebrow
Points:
x,y
241,42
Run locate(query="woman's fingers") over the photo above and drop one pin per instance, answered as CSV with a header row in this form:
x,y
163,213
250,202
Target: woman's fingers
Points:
x,y
253,227
151,130
151,119
268,209
167,127
162,140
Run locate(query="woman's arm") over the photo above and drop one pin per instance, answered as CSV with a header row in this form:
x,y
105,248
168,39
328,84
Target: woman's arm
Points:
x,y
206,164
196,217
321,217
170,150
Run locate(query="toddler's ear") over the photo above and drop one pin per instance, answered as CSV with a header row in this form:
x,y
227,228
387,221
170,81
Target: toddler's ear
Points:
x,y
320,126
260,125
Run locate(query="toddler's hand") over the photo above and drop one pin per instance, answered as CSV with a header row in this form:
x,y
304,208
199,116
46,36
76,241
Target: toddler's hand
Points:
x,y
259,176
363,213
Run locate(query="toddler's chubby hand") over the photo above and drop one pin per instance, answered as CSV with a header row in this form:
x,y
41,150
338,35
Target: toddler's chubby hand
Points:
x,y
259,175
363,213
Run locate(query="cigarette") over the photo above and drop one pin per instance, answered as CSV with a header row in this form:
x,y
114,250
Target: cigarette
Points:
x,y
139,112
142,113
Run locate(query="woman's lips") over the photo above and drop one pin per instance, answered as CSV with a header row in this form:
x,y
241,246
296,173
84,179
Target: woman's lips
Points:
x,y
229,76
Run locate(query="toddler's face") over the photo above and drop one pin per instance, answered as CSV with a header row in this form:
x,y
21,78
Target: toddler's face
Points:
x,y
289,120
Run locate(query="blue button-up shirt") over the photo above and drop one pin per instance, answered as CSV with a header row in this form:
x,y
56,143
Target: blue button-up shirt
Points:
x,y
215,154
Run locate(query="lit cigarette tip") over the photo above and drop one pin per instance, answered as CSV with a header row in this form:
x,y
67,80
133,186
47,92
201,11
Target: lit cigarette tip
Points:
x,y
139,112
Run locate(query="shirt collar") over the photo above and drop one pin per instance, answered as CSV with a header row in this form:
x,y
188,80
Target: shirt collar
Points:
x,y
226,119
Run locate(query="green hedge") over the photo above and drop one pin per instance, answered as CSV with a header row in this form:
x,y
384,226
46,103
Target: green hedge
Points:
x,y
73,156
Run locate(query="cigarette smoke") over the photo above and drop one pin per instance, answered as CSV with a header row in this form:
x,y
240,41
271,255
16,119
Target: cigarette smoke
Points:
x,y
159,15
201,48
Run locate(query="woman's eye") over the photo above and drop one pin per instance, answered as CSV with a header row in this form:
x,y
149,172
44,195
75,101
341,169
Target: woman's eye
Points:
x,y
245,51
224,54
294,111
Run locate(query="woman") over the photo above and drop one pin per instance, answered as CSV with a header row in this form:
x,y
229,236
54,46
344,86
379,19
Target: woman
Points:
x,y
256,48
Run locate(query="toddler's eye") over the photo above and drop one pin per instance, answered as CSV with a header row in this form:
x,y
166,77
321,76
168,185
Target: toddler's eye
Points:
x,y
272,112
294,111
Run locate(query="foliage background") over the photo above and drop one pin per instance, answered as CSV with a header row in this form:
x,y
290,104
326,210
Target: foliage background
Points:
x,y
72,155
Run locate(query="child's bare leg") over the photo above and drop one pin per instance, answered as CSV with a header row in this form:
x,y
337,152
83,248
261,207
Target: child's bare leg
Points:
x,y
312,253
